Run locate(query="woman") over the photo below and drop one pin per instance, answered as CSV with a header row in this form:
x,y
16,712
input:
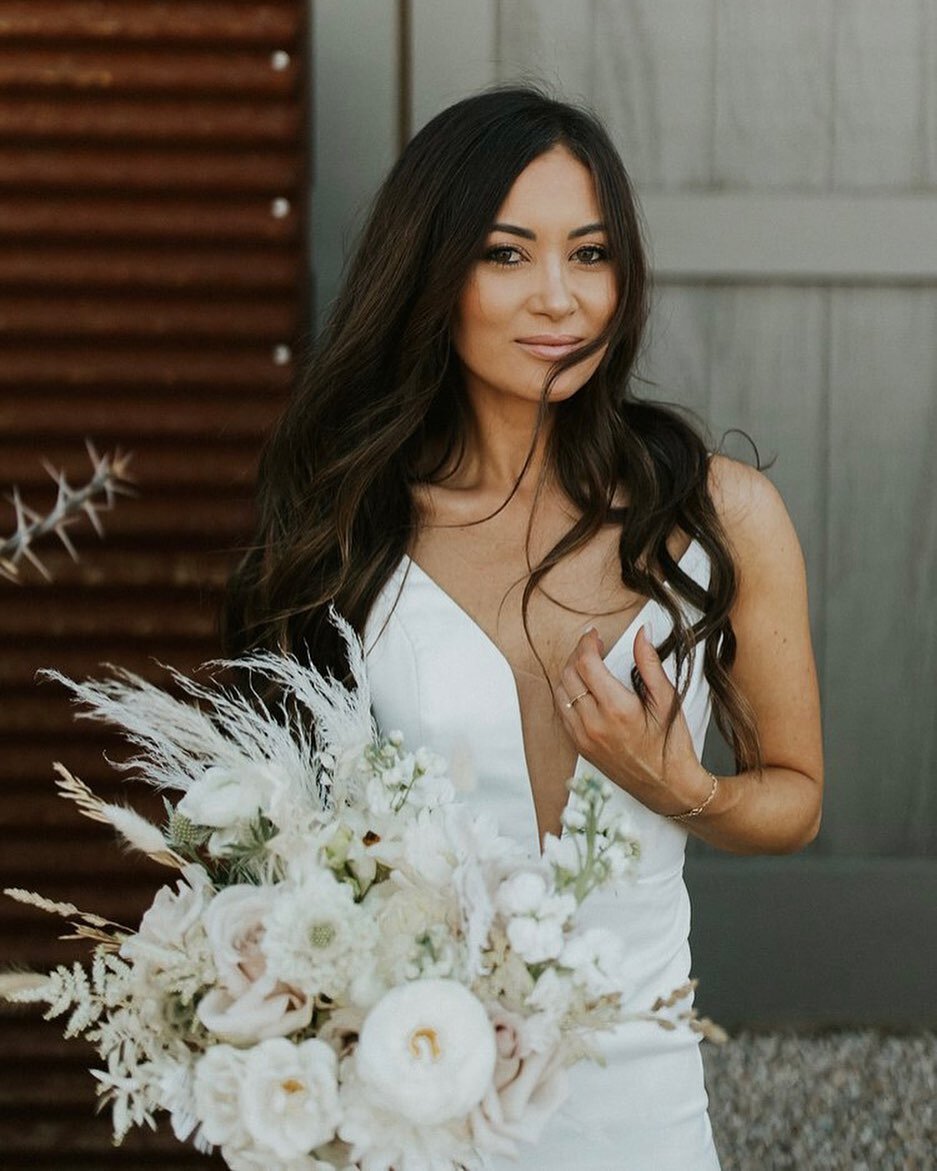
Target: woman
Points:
x,y
549,574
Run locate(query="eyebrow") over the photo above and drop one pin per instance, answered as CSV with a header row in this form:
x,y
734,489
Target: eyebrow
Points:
x,y
529,235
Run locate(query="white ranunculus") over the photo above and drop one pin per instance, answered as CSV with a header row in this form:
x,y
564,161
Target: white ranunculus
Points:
x,y
427,1051
217,1093
290,1096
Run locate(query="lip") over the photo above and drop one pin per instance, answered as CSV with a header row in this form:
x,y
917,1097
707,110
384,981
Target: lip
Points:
x,y
550,346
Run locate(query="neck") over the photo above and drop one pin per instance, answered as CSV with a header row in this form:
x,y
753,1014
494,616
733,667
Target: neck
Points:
x,y
498,443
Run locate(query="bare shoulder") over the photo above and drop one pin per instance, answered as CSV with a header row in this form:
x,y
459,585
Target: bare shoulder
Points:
x,y
756,521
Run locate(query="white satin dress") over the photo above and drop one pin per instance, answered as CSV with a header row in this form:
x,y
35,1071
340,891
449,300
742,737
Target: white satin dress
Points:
x,y
438,677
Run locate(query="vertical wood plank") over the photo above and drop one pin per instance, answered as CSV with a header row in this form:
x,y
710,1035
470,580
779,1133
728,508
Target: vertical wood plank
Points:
x,y
773,94
355,134
768,377
549,39
654,84
882,575
928,48
677,356
878,130
454,53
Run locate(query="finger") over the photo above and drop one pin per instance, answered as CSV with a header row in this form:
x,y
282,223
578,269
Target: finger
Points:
x,y
657,687
588,665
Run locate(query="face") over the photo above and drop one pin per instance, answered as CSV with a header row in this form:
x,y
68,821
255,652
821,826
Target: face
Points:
x,y
544,285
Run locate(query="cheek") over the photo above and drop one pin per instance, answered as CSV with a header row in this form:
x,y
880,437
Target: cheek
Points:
x,y
484,309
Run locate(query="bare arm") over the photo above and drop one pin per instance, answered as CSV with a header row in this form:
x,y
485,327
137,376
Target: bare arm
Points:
x,y
779,811
775,671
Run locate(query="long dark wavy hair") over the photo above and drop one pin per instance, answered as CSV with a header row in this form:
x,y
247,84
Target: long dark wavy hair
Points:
x,y
381,389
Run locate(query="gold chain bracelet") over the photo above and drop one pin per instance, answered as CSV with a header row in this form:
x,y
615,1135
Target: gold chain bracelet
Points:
x,y
699,808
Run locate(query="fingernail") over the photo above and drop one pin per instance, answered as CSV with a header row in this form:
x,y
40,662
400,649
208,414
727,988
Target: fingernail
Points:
x,y
646,628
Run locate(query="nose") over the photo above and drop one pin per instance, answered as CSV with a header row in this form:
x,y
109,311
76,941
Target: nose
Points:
x,y
553,294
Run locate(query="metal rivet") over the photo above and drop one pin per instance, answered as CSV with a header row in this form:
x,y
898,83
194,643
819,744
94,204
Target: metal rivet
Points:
x,y
280,208
280,60
282,355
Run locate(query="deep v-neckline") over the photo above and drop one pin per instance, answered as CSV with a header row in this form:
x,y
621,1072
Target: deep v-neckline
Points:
x,y
500,657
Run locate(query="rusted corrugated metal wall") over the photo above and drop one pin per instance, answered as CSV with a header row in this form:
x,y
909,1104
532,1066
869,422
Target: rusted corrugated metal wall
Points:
x,y
153,287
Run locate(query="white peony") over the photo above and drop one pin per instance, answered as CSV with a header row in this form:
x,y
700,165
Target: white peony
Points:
x,y
317,937
217,1094
427,1051
289,1096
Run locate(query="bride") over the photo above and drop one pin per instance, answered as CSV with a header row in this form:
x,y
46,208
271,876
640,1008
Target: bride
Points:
x,y
550,573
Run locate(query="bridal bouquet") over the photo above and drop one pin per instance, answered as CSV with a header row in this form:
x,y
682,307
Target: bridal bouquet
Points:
x,y
352,970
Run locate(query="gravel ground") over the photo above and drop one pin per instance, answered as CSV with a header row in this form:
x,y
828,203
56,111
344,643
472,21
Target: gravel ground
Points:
x,y
833,1101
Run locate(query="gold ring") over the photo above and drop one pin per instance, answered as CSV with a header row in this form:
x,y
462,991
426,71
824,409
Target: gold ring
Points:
x,y
576,698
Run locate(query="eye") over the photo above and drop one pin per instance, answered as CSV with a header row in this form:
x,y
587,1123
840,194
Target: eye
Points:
x,y
497,255
599,253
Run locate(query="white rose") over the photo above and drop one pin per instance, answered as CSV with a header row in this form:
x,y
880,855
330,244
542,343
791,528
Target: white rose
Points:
x,y
235,923
427,1051
520,1107
249,1002
217,1093
290,1096
267,1009
223,797
170,922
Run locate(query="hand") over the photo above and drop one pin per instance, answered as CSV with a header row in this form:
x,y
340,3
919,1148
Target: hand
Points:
x,y
623,737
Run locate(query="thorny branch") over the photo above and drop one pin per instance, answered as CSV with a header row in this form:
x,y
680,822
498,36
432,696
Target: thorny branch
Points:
x,y
109,479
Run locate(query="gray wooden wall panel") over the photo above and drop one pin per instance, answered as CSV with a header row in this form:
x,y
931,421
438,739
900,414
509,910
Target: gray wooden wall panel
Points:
x,y
773,94
554,35
878,132
453,52
654,86
881,645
